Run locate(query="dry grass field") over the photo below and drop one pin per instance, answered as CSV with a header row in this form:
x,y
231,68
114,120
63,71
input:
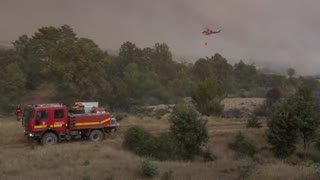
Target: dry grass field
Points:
x,y
101,161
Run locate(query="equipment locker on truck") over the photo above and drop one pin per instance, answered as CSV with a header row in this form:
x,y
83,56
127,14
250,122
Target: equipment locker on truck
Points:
x,y
51,123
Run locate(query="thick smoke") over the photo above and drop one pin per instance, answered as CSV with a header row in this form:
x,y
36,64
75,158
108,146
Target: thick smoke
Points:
x,y
277,33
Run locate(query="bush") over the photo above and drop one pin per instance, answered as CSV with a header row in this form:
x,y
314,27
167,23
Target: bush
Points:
x,y
232,113
160,112
317,143
209,156
189,130
168,175
273,95
245,168
140,141
167,148
242,146
120,116
243,112
261,110
311,155
253,122
213,107
293,160
149,169
143,143
110,178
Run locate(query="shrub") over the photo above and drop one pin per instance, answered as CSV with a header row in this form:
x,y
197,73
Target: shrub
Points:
x,y
86,178
261,110
143,143
273,95
140,141
160,112
213,107
86,163
232,113
253,122
149,169
110,178
168,175
293,160
245,168
120,116
242,146
167,148
209,156
317,143
312,155
189,130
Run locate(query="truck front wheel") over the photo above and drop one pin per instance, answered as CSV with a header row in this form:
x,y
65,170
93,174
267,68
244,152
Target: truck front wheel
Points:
x,y
49,139
96,135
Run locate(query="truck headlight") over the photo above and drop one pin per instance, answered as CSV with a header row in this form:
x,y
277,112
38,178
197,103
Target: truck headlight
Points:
x,y
30,134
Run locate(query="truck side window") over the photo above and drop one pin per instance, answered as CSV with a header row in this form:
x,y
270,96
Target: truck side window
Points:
x,y
42,114
58,114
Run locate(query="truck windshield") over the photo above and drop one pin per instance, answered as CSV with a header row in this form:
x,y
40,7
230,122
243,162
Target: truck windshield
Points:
x,y
28,114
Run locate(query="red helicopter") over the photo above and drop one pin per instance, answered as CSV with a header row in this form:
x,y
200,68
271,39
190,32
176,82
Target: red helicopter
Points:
x,y
208,31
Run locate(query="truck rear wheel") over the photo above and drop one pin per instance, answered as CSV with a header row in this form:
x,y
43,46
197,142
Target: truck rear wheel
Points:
x,y
96,135
49,139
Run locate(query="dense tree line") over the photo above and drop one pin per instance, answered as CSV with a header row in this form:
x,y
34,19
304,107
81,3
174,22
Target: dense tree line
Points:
x,y
81,71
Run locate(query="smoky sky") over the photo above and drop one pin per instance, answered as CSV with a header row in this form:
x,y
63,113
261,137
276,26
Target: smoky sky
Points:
x,y
273,32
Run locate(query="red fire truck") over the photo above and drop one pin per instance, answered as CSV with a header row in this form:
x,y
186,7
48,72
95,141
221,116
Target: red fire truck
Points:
x,y
52,123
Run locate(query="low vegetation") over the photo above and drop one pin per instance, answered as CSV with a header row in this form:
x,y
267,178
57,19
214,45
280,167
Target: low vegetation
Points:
x,y
188,133
242,146
254,122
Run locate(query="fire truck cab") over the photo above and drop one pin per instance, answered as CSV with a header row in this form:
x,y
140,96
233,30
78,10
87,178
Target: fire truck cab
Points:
x,y
51,123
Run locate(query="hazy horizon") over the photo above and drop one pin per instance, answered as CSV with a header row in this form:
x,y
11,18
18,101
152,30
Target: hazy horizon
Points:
x,y
280,33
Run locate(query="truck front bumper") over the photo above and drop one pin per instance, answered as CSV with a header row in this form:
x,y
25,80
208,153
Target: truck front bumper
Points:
x,y
32,135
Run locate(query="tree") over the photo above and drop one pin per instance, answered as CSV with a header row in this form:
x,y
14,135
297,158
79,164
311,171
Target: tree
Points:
x,y
202,70
12,81
291,118
80,63
245,75
208,96
36,51
291,72
222,70
215,67
129,53
283,129
305,113
33,65
163,64
189,129
182,85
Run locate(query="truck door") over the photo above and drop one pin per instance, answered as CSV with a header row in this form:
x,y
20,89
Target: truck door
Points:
x,y
59,120
42,119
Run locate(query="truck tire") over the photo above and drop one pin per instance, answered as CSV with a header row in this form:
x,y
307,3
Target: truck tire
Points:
x,y
49,139
96,135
